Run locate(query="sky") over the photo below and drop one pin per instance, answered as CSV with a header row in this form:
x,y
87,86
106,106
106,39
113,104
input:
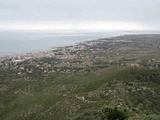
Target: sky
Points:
x,y
80,14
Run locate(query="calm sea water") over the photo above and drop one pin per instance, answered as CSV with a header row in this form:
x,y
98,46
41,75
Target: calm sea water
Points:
x,y
19,42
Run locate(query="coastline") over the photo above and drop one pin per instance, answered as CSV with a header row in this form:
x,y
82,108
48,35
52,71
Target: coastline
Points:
x,y
65,52
51,42
54,52
124,50
33,42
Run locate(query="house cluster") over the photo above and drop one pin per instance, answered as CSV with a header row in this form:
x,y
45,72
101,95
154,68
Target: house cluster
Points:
x,y
34,61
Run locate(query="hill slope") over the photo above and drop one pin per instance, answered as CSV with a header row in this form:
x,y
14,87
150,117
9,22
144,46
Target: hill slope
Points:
x,y
121,72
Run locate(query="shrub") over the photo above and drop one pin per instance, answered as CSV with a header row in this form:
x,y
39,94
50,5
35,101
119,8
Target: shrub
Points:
x,y
115,113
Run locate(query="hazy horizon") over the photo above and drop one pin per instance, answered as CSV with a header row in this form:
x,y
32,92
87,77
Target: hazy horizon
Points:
x,y
79,15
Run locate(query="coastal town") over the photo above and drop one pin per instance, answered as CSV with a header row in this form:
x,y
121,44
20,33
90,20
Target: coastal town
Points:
x,y
87,56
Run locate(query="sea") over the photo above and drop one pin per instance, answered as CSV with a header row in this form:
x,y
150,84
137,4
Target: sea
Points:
x,y
30,41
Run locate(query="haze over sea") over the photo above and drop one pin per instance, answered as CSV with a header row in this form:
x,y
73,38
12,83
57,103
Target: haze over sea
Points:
x,y
20,42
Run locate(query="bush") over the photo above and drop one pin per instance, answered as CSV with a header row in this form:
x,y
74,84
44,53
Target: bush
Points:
x,y
115,113
104,114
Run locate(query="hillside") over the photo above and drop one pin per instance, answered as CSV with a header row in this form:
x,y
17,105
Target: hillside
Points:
x,y
121,72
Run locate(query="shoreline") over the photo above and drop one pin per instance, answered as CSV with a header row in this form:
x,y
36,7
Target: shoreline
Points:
x,y
50,53
64,52
100,53
80,38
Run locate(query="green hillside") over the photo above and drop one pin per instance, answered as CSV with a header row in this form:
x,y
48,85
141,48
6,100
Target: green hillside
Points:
x,y
106,79
60,96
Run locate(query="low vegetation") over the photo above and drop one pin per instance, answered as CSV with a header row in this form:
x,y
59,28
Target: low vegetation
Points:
x,y
62,96
109,81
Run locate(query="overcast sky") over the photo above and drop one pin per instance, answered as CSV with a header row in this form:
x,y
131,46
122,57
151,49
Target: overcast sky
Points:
x,y
80,14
